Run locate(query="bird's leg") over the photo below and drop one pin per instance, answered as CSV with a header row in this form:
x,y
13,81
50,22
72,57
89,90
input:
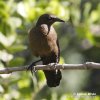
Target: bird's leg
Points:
x,y
31,66
53,65
57,61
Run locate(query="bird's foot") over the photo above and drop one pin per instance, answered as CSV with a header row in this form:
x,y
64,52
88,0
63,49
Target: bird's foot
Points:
x,y
31,67
53,66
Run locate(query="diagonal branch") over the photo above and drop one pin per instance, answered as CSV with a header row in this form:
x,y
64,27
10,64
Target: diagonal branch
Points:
x,y
85,66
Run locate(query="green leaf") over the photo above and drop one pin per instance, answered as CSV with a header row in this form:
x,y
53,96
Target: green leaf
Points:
x,y
41,75
25,81
18,61
62,60
16,48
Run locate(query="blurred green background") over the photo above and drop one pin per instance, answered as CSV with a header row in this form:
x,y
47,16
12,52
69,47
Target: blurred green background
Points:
x,y
79,41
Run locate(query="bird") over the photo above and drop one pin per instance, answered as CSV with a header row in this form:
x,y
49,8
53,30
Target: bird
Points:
x,y
43,43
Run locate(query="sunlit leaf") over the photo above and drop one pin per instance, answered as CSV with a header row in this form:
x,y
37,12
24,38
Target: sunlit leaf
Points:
x,y
63,97
7,41
1,89
94,16
41,75
21,9
62,60
14,22
23,83
5,76
4,56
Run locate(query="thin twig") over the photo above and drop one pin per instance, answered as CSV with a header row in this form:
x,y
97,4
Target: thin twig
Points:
x,y
85,66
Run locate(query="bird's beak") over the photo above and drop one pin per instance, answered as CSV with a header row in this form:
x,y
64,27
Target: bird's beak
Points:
x,y
59,20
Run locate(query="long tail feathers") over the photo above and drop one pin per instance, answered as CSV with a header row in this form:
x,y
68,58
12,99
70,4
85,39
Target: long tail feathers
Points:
x,y
53,77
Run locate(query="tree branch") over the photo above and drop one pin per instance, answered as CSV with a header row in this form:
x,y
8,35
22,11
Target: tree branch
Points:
x,y
85,66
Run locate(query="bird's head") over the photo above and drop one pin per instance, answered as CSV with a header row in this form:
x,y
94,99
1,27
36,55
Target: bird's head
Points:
x,y
48,19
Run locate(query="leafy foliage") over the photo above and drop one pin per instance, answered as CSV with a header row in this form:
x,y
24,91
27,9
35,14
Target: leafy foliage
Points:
x,y
79,40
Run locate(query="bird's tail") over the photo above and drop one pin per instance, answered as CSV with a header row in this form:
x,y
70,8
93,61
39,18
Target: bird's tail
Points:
x,y
53,77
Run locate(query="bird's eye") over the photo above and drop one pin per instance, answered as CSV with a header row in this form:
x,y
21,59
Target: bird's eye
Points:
x,y
50,18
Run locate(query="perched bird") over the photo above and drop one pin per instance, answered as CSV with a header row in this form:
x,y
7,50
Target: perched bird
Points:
x,y
44,43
